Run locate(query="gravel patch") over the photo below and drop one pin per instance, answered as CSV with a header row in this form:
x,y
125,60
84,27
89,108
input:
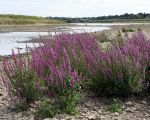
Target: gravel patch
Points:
x,y
91,108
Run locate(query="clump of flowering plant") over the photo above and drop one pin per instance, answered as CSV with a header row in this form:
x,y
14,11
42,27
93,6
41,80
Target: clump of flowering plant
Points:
x,y
122,67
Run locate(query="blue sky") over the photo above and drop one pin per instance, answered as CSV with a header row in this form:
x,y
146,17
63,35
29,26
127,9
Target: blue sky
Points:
x,y
73,8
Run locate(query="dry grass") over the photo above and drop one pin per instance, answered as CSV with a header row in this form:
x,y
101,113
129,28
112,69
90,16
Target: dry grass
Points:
x,y
23,20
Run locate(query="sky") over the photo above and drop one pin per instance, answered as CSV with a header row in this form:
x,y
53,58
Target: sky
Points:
x,y
73,8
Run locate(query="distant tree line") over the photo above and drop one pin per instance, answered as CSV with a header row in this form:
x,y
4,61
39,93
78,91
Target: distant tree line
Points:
x,y
111,18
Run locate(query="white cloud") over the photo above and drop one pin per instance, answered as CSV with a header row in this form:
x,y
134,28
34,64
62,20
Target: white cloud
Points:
x,y
73,7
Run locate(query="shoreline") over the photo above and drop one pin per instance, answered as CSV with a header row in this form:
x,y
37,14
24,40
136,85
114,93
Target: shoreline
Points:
x,y
30,28
55,27
59,27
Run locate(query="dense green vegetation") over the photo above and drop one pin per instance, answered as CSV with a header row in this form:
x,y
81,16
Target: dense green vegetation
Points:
x,y
140,17
22,20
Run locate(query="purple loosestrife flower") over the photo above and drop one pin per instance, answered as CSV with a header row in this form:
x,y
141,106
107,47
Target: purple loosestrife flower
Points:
x,y
60,77
14,57
66,61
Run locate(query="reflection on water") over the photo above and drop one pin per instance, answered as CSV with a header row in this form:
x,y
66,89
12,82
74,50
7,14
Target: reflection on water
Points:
x,y
87,28
12,40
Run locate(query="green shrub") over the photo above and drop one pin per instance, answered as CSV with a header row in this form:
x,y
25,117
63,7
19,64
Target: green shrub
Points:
x,y
124,30
115,106
102,37
24,85
120,69
139,29
1,58
67,98
64,101
46,110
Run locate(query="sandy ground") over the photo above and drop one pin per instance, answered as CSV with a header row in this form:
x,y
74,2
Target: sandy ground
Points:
x,y
31,28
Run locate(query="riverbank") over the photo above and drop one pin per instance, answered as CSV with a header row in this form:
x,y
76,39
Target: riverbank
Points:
x,y
59,27
31,28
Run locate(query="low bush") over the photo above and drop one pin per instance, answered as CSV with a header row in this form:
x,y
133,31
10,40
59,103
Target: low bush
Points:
x,y
115,106
124,30
65,101
122,68
68,98
22,84
139,29
102,37
46,110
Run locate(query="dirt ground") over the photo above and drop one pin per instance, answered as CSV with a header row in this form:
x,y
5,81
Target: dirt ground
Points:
x,y
31,28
